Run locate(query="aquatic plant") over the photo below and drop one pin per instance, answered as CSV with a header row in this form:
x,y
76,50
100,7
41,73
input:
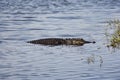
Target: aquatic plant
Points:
x,y
114,37
95,58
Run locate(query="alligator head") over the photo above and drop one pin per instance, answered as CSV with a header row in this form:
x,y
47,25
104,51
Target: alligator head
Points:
x,y
77,41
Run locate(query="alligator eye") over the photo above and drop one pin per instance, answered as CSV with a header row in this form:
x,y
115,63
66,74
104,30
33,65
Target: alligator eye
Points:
x,y
81,39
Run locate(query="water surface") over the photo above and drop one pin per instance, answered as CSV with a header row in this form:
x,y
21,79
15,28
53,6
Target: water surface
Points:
x,y
24,20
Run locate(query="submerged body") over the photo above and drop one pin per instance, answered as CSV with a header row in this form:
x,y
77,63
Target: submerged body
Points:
x,y
60,41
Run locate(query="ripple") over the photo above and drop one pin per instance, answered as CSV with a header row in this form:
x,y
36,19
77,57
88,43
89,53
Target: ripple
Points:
x,y
25,13
4,66
0,42
68,17
36,29
4,76
14,39
3,24
29,17
23,20
67,35
46,75
7,30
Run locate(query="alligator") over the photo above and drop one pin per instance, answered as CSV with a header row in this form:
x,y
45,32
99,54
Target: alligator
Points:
x,y
60,41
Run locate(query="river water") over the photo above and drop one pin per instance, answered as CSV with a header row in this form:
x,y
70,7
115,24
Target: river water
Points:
x,y
24,20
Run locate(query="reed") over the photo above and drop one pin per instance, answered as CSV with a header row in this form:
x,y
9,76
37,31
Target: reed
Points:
x,y
114,37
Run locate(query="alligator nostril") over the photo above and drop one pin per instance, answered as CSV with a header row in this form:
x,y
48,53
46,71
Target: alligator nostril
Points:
x,y
93,42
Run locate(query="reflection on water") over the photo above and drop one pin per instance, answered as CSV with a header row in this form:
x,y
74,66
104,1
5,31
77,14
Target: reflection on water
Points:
x,y
24,20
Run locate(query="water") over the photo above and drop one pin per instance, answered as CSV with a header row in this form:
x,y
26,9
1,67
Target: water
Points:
x,y
24,20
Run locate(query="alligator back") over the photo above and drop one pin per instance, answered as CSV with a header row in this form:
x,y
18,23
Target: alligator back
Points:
x,y
48,41
60,41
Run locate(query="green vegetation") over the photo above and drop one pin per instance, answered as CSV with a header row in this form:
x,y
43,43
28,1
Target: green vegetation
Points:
x,y
114,37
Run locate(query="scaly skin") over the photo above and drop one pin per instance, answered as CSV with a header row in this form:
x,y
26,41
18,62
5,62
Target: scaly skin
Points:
x,y
60,41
